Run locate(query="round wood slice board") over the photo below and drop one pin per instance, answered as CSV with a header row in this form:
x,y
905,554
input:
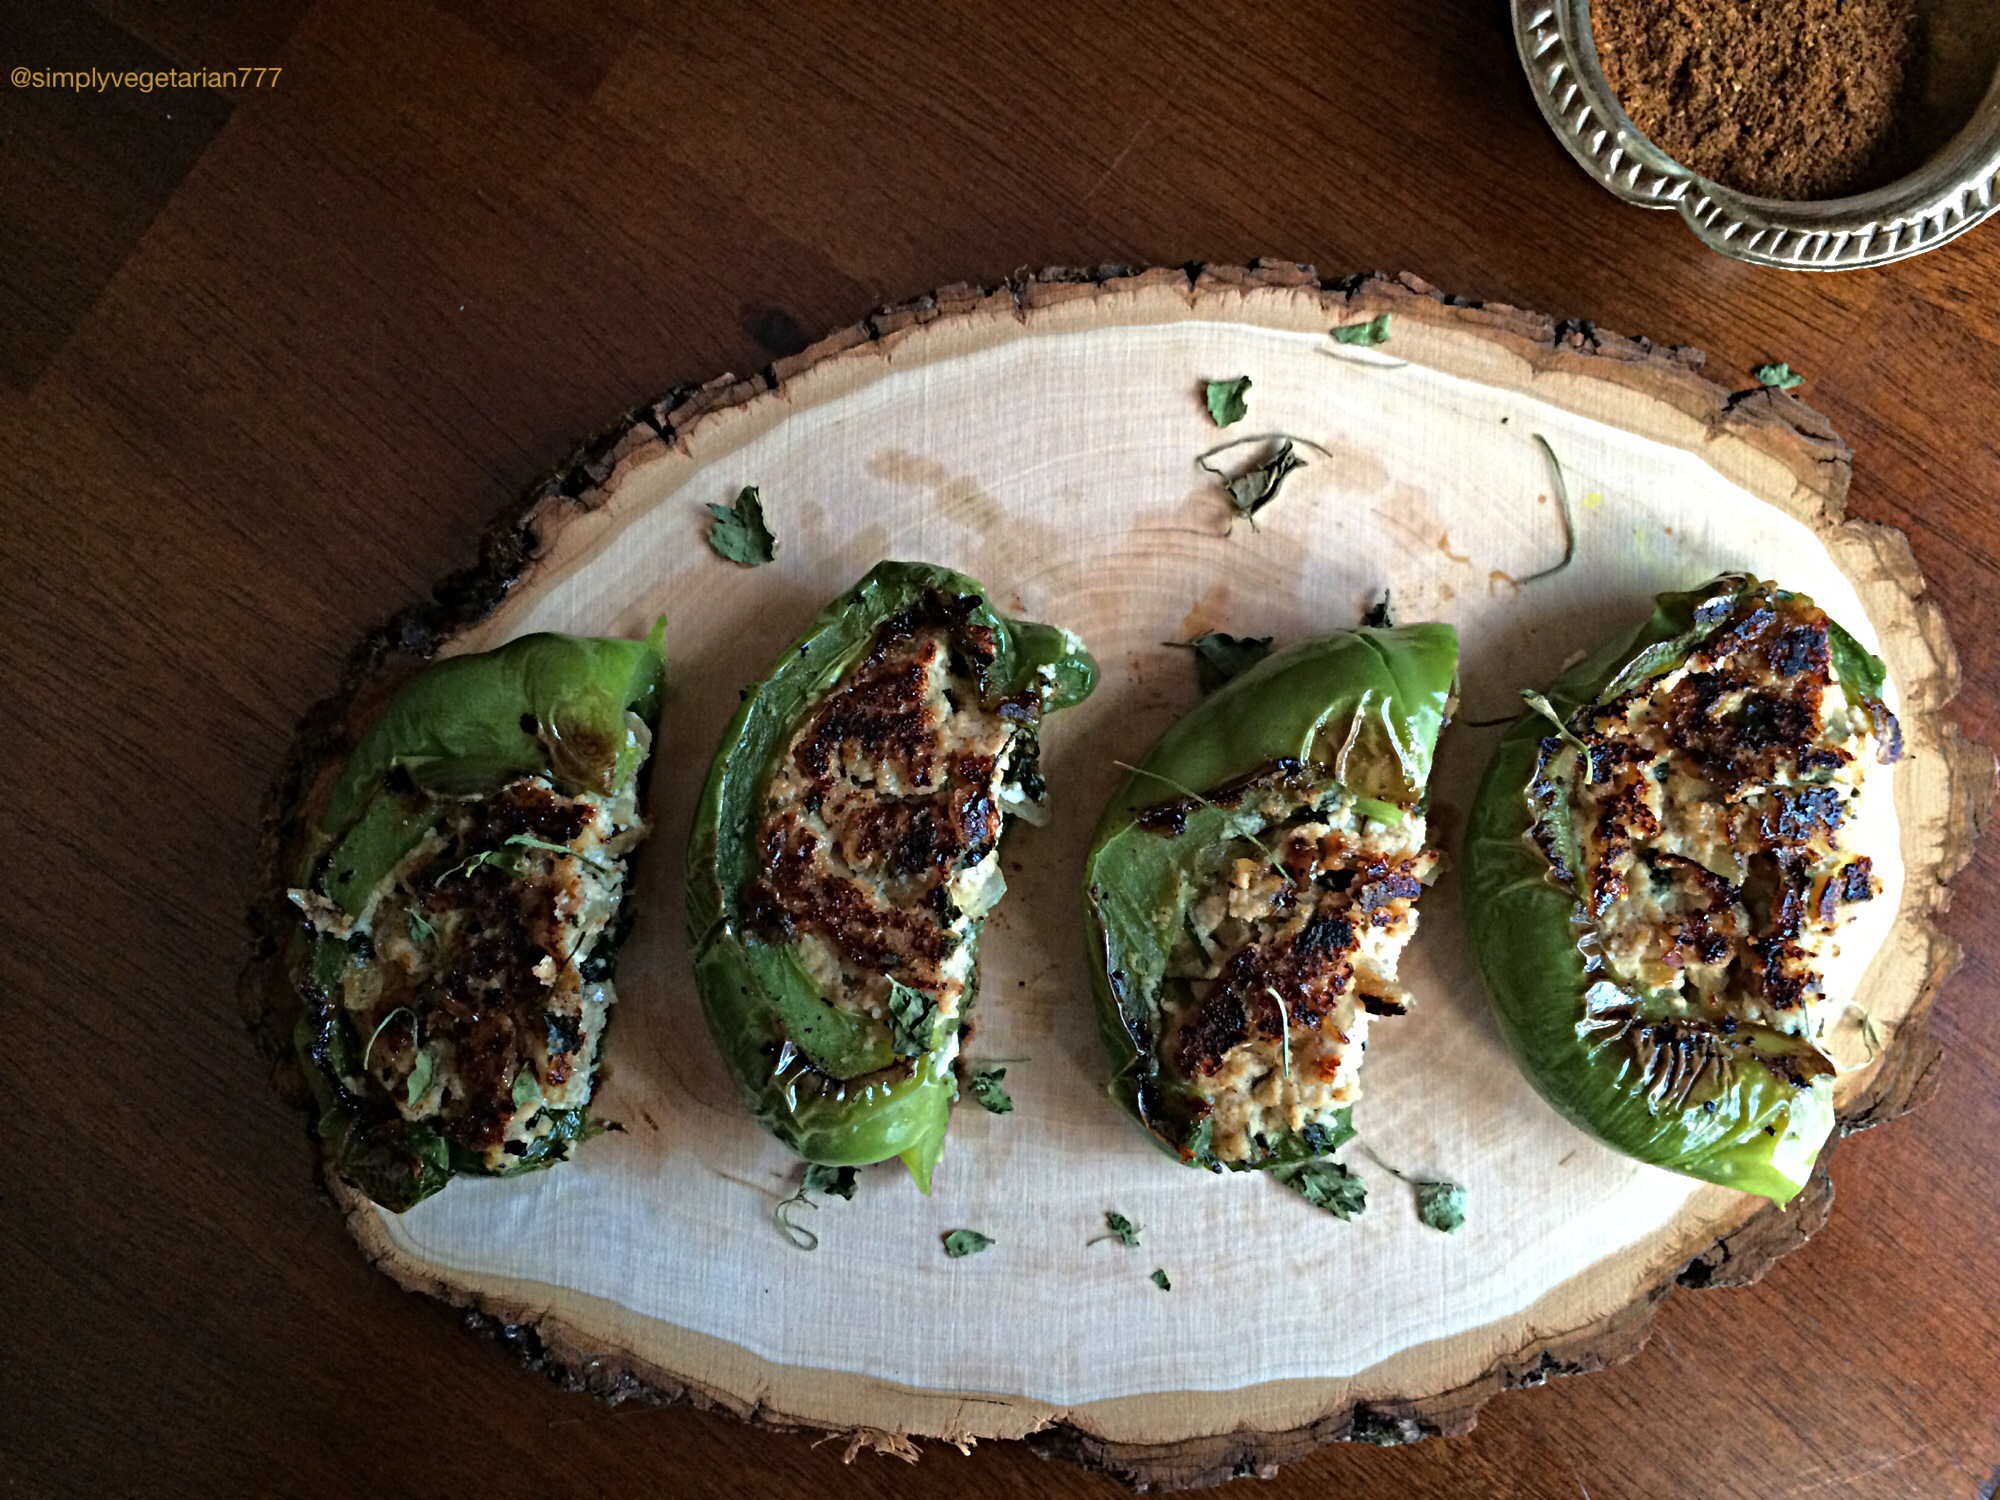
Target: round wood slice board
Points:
x,y
1042,437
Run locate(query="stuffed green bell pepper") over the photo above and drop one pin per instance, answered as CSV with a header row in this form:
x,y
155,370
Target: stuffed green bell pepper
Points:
x,y
846,851
461,890
1656,870
1251,888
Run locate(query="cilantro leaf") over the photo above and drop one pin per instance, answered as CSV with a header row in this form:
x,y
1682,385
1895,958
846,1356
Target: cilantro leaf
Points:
x,y
837,1181
1219,656
1441,1205
527,1089
1122,1230
1327,1185
1160,1281
963,1242
739,532
1778,376
422,1067
1374,331
420,930
529,841
1199,1140
986,1089
1541,705
912,1019
1227,400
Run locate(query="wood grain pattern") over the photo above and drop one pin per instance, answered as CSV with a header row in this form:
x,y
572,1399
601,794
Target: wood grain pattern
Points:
x,y
391,292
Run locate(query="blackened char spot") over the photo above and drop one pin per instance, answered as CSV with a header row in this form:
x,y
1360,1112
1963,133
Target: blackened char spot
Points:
x,y
565,1032
1810,812
1769,720
1325,933
1800,648
1395,886
1857,882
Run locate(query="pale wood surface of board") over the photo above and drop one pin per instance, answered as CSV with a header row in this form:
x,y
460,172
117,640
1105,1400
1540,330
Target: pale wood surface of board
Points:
x,y
272,358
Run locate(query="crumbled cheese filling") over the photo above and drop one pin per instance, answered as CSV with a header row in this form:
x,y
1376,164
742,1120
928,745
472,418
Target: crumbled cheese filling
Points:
x,y
475,985
1270,989
1711,810
879,832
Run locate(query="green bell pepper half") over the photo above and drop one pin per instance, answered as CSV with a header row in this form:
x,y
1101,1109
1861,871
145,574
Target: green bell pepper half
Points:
x,y
543,705
859,1103
1745,1126
1354,711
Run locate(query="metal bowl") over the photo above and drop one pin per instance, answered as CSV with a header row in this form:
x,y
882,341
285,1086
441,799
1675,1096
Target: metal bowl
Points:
x,y
1957,186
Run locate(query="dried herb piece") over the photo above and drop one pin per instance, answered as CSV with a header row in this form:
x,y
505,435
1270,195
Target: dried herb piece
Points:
x,y
1779,376
1327,1185
836,1181
1122,1230
1257,486
1441,1205
985,1085
912,1018
1568,516
1160,1280
382,1026
1228,400
739,532
1219,656
1374,331
1378,614
963,1242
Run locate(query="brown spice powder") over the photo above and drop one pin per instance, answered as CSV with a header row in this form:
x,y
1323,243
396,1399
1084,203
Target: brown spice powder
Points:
x,y
1795,99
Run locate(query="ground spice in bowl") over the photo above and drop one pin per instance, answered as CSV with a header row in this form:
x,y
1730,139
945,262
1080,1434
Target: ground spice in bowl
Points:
x,y
1796,99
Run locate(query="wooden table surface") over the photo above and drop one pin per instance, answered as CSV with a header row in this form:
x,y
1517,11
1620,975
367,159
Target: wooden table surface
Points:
x,y
271,356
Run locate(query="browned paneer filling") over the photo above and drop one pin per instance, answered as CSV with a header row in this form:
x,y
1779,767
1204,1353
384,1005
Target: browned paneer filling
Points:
x,y
483,1006
1712,807
878,837
1283,960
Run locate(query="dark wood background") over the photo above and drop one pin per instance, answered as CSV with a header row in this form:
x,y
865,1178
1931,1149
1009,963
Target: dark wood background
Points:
x,y
269,359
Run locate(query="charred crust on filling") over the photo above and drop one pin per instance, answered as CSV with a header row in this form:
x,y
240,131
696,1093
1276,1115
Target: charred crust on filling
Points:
x,y
1745,717
1310,965
903,843
486,1002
